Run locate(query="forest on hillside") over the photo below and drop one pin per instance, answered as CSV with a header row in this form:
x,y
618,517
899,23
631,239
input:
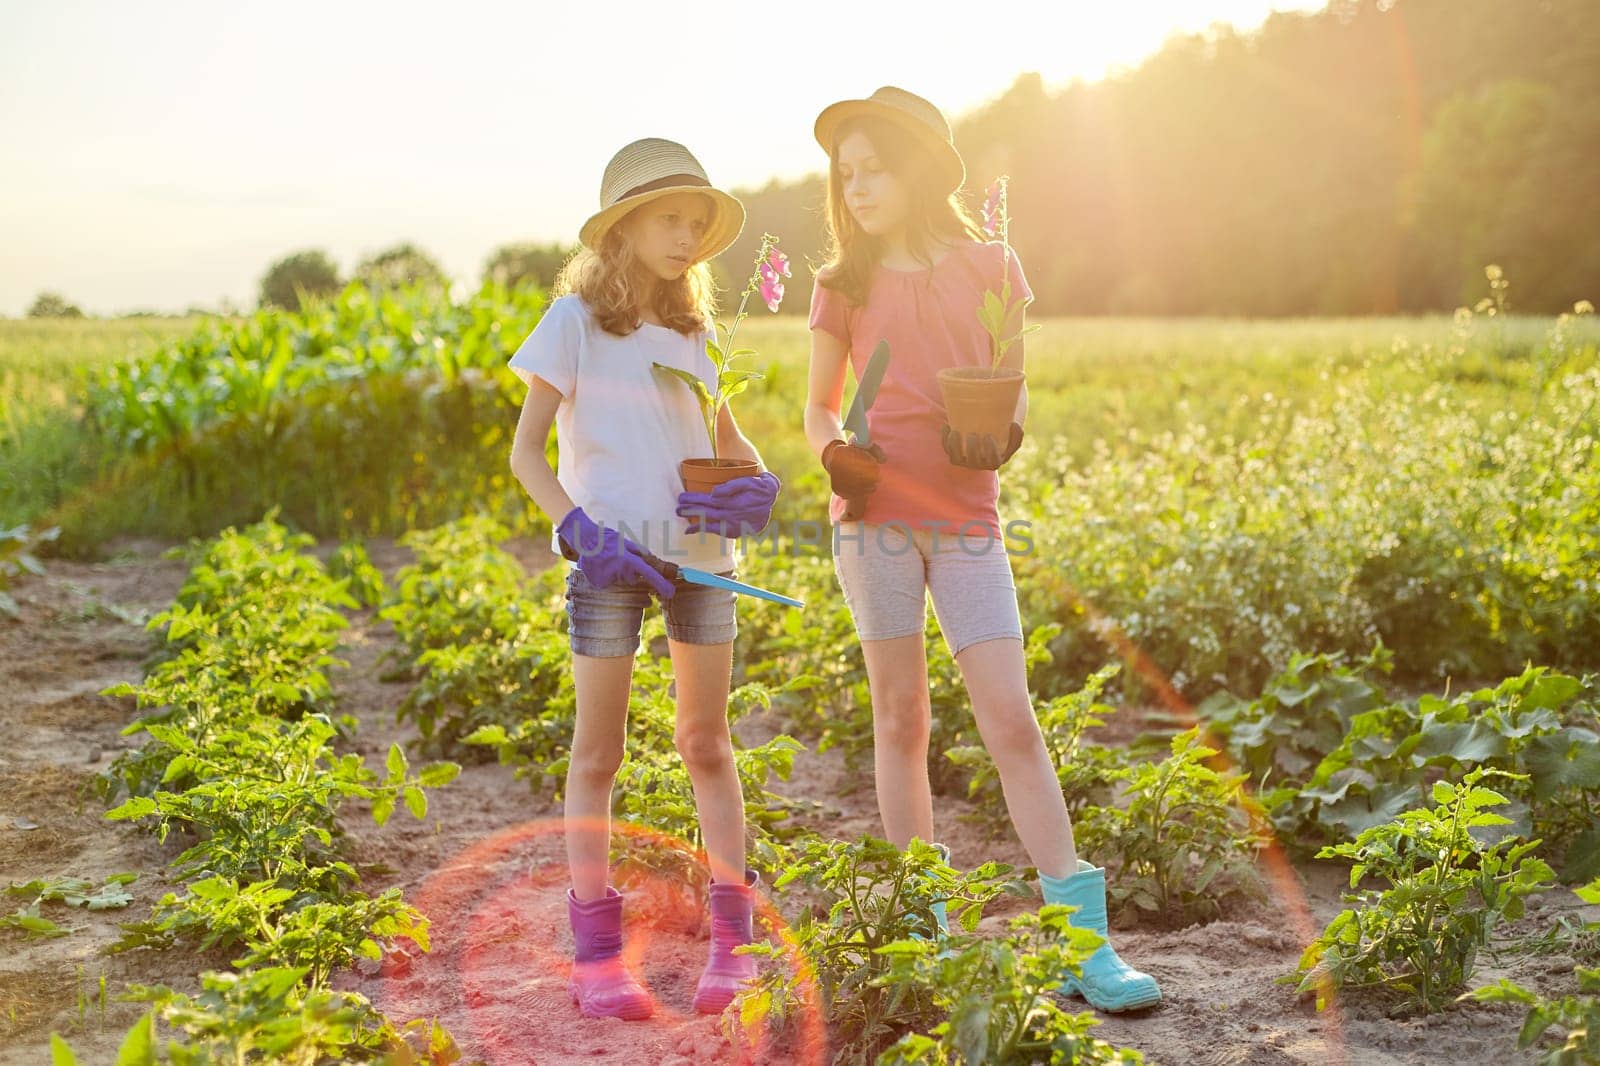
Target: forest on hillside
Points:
x,y
1368,158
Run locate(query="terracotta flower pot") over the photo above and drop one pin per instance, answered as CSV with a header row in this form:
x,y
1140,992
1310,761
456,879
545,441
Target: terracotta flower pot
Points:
x,y
980,400
703,475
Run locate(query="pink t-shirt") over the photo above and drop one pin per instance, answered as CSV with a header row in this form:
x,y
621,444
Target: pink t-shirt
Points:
x,y
930,319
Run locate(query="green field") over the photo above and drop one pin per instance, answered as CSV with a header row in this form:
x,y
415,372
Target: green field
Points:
x,y
1360,557
1223,492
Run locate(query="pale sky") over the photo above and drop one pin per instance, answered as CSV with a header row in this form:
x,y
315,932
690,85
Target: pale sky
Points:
x,y
161,155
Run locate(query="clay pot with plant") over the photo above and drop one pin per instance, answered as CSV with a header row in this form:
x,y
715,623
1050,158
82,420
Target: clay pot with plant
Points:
x,y
704,473
982,400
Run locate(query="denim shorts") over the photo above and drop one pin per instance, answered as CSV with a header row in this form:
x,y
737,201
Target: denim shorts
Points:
x,y
606,622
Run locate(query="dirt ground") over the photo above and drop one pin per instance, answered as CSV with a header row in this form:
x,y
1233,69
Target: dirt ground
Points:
x,y
488,867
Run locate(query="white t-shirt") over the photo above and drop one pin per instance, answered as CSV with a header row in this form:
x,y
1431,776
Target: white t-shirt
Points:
x,y
623,426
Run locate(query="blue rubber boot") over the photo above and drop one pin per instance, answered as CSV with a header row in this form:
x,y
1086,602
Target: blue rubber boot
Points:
x,y
938,908
1108,983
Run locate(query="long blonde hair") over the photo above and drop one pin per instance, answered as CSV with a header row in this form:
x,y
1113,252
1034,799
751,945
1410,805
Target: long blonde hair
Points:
x,y
609,280
854,253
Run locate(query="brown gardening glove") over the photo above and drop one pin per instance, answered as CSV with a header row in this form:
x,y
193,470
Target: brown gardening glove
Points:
x,y
852,470
980,452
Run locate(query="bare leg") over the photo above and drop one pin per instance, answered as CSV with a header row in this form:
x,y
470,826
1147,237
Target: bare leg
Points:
x,y
997,683
602,686
702,673
897,674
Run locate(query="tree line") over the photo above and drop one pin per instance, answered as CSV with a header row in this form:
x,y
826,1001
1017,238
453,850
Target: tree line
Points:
x,y
1371,157
1368,158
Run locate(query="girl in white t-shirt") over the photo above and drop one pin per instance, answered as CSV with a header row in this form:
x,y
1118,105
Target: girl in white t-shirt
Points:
x,y
638,293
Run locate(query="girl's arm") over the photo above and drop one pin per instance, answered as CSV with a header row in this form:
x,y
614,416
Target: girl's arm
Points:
x,y
733,444
825,390
528,462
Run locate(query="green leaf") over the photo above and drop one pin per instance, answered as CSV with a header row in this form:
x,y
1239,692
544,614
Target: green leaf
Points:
x,y
438,774
701,394
487,734
396,764
136,807
178,766
1465,742
1568,759
139,1046
214,888
33,923
416,801
60,1053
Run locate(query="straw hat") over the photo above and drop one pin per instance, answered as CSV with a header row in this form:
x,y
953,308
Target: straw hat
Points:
x,y
911,113
649,169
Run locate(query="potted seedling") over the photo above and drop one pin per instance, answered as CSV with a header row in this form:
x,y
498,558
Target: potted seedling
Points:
x,y
705,474
983,399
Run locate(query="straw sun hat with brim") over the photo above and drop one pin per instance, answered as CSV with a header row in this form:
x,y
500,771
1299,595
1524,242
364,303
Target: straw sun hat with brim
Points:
x,y
911,113
649,169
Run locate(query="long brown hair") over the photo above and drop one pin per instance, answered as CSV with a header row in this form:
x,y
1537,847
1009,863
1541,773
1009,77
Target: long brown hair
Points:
x,y
612,284
853,253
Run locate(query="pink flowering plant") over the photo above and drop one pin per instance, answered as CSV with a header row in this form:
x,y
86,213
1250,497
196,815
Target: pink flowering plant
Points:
x,y
997,308
772,266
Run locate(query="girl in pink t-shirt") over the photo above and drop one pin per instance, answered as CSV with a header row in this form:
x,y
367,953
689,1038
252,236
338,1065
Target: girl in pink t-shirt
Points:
x,y
909,266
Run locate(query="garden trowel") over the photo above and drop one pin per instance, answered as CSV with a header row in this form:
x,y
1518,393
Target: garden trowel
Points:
x,y
672,571
855,420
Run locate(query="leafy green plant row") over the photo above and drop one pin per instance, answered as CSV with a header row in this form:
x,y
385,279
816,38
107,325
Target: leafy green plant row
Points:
x,y
241,762
1443,891
1459,526
860,961
1333,754
1429,888
486,650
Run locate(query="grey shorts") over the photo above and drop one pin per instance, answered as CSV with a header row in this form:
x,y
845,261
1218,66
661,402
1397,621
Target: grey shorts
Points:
x,y
888,571
606,622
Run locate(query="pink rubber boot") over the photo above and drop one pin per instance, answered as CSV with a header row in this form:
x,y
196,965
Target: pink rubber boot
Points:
x,y
726,974
601,985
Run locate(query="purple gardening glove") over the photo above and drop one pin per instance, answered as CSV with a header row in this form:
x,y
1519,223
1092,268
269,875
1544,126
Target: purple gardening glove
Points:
x,y
734,508
606,556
